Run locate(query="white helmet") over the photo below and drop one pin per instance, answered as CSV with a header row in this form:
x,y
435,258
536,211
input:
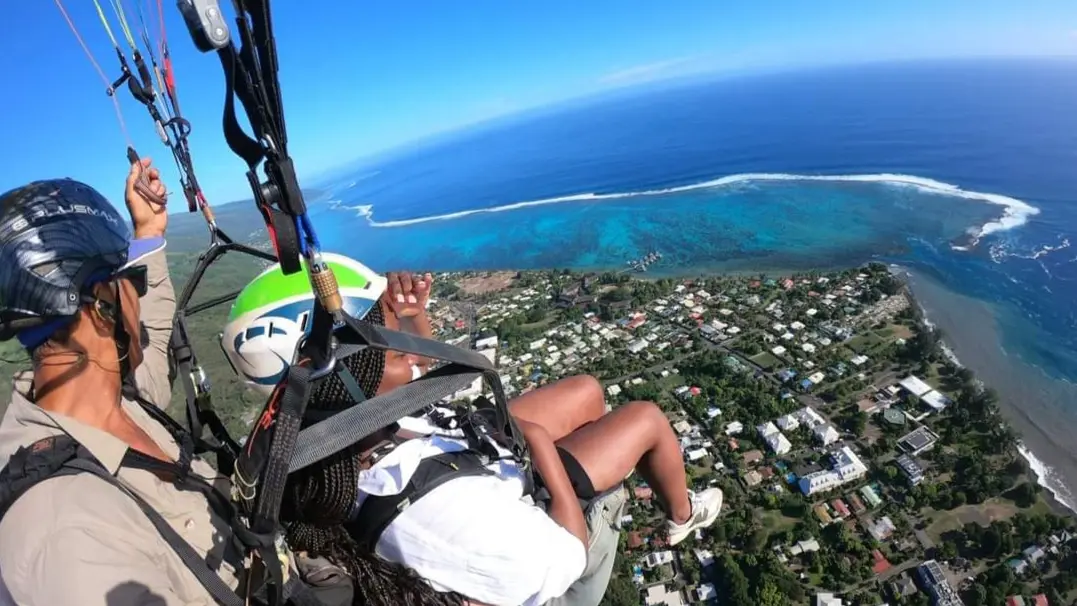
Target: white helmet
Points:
x,y
273,312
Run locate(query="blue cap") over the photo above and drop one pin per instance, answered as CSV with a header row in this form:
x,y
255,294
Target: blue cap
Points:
x,y
137,251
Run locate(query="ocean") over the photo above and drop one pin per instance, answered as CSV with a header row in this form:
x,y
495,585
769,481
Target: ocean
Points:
x,y
961,172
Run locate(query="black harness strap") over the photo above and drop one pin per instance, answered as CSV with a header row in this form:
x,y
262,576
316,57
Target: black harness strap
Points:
x,y
268,127
347,427
344,429
377,512
209,579
262,467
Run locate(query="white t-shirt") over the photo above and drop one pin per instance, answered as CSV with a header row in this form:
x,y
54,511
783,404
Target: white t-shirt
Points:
x,y
5,595
474,535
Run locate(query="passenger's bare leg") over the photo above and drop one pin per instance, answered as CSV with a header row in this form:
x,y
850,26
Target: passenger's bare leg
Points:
x,y
635,435
562,407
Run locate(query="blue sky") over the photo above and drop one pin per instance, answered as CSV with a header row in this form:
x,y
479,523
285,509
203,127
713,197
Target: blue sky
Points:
x,y
363,76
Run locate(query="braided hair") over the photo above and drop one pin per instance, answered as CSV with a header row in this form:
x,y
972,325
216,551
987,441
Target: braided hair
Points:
x,y
319,498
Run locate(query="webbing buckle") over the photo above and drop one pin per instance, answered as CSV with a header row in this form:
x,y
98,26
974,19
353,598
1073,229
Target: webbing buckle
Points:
x,y
200,380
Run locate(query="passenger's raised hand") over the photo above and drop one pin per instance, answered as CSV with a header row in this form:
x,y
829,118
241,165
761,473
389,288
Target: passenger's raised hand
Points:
x,y
408,294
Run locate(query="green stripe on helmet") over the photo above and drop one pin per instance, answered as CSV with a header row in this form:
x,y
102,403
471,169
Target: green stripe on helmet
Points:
x,y
272,286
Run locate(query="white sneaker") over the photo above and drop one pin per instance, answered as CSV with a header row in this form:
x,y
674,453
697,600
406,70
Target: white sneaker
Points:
x,y
705,508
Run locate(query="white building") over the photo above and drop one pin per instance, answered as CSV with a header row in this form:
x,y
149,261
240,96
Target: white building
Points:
x,y
914,385
848,465
537,344
704,592
847,468
657,558
788,422
696,454
819,481
637,346
767,429
778,443
935,400
661,595
490,354
809,417
826,434
733,428
486,343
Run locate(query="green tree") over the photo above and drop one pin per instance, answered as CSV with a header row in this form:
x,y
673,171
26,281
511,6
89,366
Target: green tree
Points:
x,y
770,595
976,595
733,582
1024,494
621,592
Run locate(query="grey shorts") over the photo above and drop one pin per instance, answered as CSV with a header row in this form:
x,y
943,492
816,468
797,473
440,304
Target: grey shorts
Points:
x,y
604,530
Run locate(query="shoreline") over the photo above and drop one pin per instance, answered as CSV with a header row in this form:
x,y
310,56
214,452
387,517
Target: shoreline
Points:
x,y
1054,467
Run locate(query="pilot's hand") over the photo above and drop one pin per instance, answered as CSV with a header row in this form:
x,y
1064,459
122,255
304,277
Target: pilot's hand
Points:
x,y
144,195
408,294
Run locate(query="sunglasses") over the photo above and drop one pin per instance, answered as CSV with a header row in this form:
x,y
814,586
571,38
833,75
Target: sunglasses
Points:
x,y
136,276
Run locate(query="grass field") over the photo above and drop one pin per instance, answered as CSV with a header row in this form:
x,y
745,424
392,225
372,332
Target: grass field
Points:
x,y
983,514
766,360
775,521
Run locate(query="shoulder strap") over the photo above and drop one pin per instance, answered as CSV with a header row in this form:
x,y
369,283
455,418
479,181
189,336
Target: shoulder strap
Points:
x,y
377,512
209,579
33,464
61,455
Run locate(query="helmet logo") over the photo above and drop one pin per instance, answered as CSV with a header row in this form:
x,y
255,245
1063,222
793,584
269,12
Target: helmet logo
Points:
x,y
265,348
62,210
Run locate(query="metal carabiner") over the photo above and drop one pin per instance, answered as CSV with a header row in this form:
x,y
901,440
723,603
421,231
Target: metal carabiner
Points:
x,y
325,371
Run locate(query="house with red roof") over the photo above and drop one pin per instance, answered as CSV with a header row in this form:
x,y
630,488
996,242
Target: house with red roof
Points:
x,y
840,507
881,563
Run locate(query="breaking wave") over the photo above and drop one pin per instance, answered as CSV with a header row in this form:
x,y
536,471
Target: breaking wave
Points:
x,y
1014,212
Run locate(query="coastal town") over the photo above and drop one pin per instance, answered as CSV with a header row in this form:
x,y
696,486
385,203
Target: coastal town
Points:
x,y
860,464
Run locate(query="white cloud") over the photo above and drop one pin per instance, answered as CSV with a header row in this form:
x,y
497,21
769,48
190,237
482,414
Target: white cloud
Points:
x,y
647,72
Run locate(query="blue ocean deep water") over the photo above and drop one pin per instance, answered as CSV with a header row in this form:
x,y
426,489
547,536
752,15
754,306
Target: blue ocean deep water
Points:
x,y
964,172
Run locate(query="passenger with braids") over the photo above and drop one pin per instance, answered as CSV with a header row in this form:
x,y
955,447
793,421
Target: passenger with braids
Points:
x,y
318,500
477,536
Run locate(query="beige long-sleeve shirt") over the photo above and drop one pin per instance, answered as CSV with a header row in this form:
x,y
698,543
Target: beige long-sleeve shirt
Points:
x,y
76,540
